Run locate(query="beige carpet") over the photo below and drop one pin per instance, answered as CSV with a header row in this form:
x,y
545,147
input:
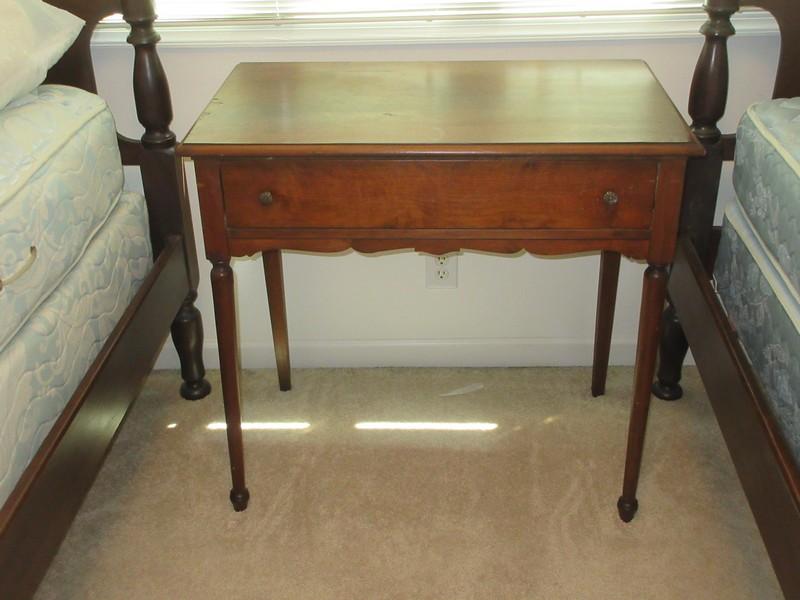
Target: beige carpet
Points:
x,y
524,511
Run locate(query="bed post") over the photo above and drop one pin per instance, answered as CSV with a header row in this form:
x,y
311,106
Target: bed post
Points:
x,y
163,185
707,100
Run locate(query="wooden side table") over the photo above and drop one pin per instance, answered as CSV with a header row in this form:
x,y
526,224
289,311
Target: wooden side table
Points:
x,y
551,157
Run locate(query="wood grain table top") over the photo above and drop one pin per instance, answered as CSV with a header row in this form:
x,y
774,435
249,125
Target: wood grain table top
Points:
x,y
484,107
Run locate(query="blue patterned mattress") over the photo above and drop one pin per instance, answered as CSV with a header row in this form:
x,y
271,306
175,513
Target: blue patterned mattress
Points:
x,y
74,250
758,266
47,358
60,176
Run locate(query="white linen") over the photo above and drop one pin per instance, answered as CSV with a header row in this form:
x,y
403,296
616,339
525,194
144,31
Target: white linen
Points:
x,y
33,36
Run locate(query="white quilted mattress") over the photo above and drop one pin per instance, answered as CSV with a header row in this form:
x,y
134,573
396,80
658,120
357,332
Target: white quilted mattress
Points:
x,y
48,356
60,177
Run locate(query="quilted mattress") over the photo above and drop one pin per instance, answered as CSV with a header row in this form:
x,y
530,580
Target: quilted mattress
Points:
x,y
766,177
758,264
60,177
51,351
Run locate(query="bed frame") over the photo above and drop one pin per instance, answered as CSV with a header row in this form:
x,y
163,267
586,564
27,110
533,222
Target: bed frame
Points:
x,y
695,318
37,515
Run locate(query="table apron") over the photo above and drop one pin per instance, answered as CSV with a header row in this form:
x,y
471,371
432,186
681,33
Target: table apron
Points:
x,y
633,244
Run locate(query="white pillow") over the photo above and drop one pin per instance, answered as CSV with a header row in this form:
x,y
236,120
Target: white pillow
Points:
x,y
33,36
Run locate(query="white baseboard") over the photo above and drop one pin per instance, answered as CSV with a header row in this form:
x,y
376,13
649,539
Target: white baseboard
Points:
x,y
522,352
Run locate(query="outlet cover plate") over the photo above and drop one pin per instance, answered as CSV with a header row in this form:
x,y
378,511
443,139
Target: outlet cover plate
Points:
x,y
441,272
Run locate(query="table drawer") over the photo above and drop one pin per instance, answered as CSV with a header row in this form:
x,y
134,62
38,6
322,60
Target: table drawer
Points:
x,y
439,194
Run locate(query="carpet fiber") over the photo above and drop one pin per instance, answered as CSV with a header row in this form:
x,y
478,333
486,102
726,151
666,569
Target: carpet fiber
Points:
x,y
523,510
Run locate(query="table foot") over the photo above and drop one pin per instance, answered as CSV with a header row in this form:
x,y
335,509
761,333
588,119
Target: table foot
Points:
x,y
239,499
627,508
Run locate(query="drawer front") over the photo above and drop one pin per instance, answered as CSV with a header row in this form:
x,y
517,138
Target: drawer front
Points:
x,y
439,194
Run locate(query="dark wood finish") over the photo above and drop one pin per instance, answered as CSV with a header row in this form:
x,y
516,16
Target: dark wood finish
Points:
x,y
32,525
787,83
672,350
187,335
604,324
709,91
225,314
768,475
37,515
150,89
273,275
439,194
558,158
707,100
762,459
653,293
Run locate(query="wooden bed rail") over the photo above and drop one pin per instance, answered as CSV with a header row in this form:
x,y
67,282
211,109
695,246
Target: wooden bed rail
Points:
x,y
763,462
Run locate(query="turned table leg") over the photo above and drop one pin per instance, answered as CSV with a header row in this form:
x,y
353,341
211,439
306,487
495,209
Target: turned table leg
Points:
x,y
606,301
653,294
225,316
273,274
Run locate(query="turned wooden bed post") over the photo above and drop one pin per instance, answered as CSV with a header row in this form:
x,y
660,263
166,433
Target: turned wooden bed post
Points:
x,y
163,185
707,100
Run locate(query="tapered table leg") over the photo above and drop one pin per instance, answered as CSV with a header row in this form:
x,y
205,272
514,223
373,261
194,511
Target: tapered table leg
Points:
x,y
606,301
653,294
225,316
273,274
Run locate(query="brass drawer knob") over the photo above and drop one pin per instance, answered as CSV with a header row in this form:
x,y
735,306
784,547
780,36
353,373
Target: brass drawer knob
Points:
x,y
611,198
265,198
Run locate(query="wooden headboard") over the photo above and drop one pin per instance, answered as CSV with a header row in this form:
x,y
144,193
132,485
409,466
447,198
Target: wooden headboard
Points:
x,y
787,83
153,103
155,152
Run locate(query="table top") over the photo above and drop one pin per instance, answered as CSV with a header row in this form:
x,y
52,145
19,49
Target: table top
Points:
x,y
475,107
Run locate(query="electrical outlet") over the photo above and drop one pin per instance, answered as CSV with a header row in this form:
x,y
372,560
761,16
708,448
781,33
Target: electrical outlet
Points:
x,y
441,272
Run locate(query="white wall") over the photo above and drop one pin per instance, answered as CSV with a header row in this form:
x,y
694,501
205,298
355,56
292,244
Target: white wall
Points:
x,y
354,310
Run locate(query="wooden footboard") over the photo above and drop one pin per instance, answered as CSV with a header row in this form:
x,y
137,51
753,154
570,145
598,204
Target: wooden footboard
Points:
x,y
37,515
763,462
